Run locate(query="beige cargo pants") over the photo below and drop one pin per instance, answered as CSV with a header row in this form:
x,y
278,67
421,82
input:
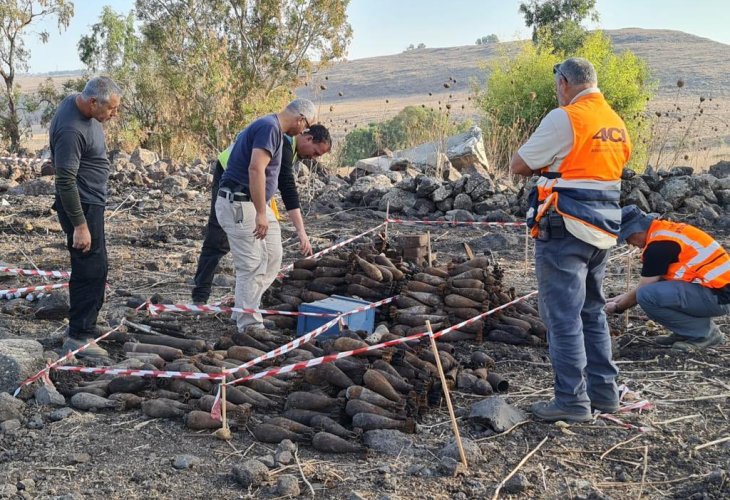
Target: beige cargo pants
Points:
x,y
257,262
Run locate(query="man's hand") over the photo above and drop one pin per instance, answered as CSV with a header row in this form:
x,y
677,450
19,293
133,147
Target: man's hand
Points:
x,y
262,226
612,308
304,245
82,238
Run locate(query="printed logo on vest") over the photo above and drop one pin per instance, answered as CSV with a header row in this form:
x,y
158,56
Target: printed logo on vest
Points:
x,y
611,134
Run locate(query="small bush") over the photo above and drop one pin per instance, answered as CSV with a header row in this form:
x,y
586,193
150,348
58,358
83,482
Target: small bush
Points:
x,y
520,91
412,126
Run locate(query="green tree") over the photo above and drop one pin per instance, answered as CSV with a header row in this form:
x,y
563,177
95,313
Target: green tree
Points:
x,y
486,40
17,17
196,71
558,22
521,90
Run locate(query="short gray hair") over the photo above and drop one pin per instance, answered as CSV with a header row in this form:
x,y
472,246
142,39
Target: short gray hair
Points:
x,y
303,107
578,71
102,88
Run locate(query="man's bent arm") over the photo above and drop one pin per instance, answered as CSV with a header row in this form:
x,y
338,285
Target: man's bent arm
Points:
x,y
519,167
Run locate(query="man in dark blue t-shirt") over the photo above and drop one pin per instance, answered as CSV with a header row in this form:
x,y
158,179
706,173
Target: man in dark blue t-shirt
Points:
x,y
78,153
242,208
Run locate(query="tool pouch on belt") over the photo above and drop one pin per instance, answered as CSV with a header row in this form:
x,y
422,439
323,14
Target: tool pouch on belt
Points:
x,y
556,224
238,212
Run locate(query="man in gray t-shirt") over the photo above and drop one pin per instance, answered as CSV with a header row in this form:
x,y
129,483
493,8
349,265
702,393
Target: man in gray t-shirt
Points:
x,y
78,153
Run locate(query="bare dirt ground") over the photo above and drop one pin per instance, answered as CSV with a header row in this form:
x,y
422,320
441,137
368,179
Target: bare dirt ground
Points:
x,y
153,248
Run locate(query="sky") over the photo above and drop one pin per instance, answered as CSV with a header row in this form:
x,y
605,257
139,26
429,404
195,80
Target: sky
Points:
x,y
382,27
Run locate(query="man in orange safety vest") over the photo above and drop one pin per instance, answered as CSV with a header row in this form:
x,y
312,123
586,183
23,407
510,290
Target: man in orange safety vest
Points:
x,y
685,280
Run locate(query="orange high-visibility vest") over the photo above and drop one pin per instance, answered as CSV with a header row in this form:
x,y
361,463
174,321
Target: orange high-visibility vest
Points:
x,y
586,186
701,259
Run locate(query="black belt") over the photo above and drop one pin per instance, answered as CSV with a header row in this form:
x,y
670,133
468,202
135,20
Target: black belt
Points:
x,y
233,196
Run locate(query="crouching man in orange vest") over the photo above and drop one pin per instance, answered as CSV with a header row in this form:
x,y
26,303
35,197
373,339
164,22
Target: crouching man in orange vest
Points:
x,y
685,280
578,151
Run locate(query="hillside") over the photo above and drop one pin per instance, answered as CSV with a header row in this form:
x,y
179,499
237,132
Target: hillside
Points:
x,y
671,55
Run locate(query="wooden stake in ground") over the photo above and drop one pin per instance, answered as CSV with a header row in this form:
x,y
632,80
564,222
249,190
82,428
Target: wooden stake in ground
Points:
x,y
445,388
514,471
527,246
387,217
224,432
628,288
428,242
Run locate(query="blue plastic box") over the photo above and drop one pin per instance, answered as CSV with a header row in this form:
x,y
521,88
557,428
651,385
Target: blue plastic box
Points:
x,y
336,304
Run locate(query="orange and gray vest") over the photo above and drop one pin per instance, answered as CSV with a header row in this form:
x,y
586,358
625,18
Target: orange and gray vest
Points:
x,y
586,186
701,259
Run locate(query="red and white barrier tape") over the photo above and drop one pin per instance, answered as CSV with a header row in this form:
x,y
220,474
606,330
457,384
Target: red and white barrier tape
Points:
x,y
333,357
34,272
142,373
466,222
333,247
157,308
24,160
28,289
60,360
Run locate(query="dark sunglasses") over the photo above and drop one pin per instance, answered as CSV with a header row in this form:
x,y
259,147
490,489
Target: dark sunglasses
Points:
x,y
306,122
556,71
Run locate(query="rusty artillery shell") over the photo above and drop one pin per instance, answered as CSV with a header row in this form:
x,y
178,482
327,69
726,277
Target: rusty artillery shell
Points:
x,y
311,401
243,395
457,335
428,299
128,401
186,345
430,279
329,272
87,401
330,443
465,381
291,425
371,270
495,335
325,423
476,294
421,363
365,394
463,313
482,387
537,327
264,387
384,366
301,274
327,374
270,433
284,322
355,406
244,353
322,287
310,296
343,344
403,301
372,421
200,420
471,274
305,416
152,359
363,292
481,358
361,279
383,260
292,290
328,261
166,353
290,299
387,273
509,320
353,367
127,384
421,309
527,309
419,286
498,383
206,403
378,382
454,300
419,319
313,349
397,381
185,389
164,408
305,263
437,271
466,283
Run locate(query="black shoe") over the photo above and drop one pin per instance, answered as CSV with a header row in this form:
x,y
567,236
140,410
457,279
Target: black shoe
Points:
x,y
605,407
716,337
93,351
548,411
668,340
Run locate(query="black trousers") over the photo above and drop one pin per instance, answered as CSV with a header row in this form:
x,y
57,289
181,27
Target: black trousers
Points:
x,y
215,246
88,271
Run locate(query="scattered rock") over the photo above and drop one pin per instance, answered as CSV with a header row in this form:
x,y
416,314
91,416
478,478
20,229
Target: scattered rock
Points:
x,y
181,462
8,490
19,359
143,157
498,242
286,445
10,426
79,458
42,186
60,414
53,306
268,460
287,486
10,408
390,442
26,484
284,457
35,422
463,202
516,484
496,413
720,170
471,450
451,467
250,473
